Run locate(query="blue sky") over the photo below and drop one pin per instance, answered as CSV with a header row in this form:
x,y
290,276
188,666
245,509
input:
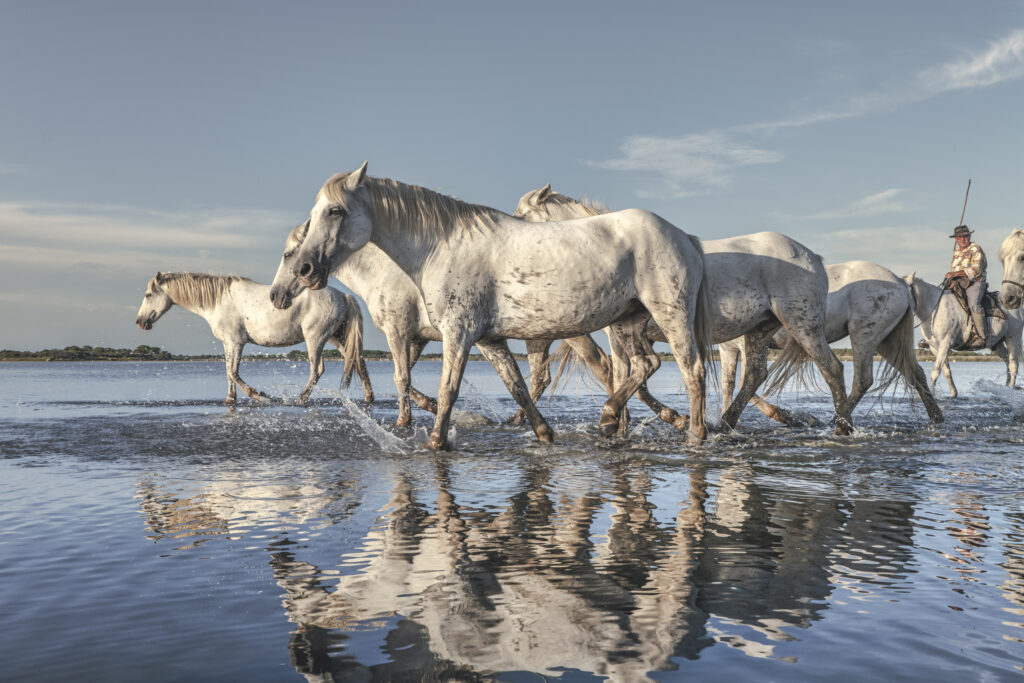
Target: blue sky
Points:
x,y
137,137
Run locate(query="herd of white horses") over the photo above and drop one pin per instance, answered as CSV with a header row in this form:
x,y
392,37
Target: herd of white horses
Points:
x,y
433,268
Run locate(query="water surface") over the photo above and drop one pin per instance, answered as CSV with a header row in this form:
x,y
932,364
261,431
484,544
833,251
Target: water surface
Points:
x,y
151,533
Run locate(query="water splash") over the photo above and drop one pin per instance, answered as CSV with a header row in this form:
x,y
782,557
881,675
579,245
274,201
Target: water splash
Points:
x,y
388,442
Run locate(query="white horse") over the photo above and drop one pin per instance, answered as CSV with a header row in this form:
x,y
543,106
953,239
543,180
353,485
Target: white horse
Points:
x,y
1011,253
756,283
945,326
238,311
487,277
875,309
397,309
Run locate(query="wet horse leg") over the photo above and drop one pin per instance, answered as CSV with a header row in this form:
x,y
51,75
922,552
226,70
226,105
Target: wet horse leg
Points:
x,y
419,398
627,341
233,354
501,358
755,369
540,374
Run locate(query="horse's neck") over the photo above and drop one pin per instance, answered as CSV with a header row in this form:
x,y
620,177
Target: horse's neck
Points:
x,y
927,305
204,312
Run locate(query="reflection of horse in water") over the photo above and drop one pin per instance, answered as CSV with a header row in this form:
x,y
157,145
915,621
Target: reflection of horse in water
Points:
x,y
592,579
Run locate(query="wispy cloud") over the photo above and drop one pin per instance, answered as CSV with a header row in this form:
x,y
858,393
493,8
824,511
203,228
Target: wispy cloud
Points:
x,y
698,163
1000,61
692,164
881,203
126,227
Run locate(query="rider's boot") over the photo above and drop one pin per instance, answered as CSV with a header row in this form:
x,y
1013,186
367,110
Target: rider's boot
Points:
x,y
979,326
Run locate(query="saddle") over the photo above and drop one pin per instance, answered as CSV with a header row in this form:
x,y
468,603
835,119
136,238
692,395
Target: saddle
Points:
x,y
989,303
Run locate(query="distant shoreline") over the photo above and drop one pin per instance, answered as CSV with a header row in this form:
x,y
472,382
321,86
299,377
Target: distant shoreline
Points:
x,y
152,353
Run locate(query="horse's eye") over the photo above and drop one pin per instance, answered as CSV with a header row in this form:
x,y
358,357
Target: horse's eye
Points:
x,y
289,253
336,211
148,295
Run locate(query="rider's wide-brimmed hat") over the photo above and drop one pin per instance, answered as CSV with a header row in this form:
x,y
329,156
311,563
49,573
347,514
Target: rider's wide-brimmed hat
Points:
x,y
962,231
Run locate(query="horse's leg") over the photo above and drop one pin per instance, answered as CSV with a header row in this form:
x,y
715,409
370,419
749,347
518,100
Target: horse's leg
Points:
x,y
729,355
1013,359
228,360
755,370
941,352
316,368
863,370
627,340
540,374
235,356
453,365
619,373
666,414
398,342
418,397
501,358
364,377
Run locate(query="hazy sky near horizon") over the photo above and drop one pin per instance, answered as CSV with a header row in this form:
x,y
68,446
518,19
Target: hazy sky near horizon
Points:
x,y
137,137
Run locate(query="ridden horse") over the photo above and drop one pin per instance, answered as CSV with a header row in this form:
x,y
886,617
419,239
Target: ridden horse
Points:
x,y
756,284
945,326
486,277
238,312
875,309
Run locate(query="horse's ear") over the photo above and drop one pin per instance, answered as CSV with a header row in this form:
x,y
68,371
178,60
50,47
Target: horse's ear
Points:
x,y
910,278
159,276
542,194
356,178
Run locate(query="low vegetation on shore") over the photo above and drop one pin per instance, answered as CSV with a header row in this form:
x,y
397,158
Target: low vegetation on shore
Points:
x,y
144,352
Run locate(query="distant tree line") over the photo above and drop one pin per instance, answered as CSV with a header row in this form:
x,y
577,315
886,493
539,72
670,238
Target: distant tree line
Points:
x,y
144,352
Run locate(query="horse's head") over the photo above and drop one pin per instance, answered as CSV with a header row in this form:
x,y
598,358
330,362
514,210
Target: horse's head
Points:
x,y
1011,253
339,225
539,206
286,285
155,302
533,205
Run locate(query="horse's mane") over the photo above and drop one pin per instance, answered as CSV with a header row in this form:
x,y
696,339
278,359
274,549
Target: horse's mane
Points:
x,y
588,206
1015,242
195,289
415,208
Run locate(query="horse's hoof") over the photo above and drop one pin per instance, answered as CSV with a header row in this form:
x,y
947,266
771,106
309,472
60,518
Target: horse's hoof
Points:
x,y
843,427
696,438
681,422
607,428
545,434
518,420
436,443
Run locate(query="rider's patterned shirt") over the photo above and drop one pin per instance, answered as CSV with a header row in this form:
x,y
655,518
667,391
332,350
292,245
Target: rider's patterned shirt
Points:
x,y
971,259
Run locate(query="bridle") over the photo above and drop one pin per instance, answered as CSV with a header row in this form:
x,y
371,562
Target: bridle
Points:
x,y
1015,284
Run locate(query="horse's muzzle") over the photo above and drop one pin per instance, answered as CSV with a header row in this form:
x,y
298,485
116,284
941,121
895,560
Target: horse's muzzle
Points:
x,y
144,322
311,276
1009,300
280,297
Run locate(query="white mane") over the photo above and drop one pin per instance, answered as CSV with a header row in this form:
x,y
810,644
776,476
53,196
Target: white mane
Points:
x,y
194,289
1013,243
416,209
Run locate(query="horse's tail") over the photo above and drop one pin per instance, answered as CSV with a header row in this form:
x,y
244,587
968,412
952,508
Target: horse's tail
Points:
x,y
898,346
791,363
570,363
703,321
349,337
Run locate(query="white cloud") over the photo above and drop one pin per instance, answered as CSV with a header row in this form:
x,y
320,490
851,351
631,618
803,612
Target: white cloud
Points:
x,y
885,202
1003,60
127,227
698,163
690,164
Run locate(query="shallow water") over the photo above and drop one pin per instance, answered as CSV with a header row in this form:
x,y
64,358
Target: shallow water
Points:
x,y
149,532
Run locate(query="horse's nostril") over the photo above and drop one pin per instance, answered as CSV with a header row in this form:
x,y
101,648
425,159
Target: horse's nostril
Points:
x,y
306,269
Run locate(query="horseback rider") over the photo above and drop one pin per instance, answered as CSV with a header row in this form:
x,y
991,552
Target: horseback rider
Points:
x,y
969,262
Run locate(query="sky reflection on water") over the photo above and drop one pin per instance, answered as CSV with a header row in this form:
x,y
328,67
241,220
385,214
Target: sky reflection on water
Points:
x,y
165,534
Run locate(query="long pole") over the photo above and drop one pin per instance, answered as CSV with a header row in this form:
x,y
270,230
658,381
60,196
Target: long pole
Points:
x,y
965,202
